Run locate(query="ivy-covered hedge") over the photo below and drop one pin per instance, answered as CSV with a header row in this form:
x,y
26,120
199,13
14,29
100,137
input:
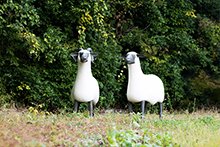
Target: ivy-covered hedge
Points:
x,y
180,40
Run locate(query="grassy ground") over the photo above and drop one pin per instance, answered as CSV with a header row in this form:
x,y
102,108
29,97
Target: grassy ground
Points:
x,y
25,128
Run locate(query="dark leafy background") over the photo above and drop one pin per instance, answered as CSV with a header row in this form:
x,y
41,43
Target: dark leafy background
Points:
x,y
180,39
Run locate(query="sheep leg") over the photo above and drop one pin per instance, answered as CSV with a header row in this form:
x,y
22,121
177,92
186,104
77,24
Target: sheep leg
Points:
x,y
143,108
91,113
130,109
76,106
161,109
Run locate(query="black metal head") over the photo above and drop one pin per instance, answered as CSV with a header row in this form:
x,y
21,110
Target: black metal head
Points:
x,y
83,55
131,57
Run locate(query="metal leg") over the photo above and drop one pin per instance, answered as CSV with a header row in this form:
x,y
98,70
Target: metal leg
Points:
x,y
91,113
143,108
161,110
76,106
130,109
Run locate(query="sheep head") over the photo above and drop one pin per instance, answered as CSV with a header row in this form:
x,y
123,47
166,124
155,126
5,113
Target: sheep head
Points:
x,y
84,55
133,57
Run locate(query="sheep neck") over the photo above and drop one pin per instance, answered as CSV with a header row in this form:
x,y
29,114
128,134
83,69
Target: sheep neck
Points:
x,y
135,72
84,69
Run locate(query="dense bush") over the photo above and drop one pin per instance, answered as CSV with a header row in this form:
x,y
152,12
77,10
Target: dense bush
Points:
x,y
179,39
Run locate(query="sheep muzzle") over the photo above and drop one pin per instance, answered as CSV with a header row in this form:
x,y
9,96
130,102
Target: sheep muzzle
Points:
x,y
83,57
130,59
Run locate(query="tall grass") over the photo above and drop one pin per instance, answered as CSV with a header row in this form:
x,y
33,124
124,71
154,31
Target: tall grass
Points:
x,y
33,128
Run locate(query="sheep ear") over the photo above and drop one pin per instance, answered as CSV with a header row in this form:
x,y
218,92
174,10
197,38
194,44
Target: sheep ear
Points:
x,y
94,56
90,50
141,56
74,56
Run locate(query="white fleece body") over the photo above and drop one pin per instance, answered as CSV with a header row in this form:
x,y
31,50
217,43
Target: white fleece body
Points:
x,y
86,87
142,87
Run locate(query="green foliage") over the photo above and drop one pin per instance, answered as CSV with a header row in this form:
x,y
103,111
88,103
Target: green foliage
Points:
x,y
208,8
179,38
138,138
108,61
5,98
29,62
205,89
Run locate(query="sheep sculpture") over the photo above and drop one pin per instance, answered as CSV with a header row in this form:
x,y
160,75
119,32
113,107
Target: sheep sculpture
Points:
x,y
142,87
86,88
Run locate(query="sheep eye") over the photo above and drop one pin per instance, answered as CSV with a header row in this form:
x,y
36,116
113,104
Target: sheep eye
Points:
x,y
80,53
